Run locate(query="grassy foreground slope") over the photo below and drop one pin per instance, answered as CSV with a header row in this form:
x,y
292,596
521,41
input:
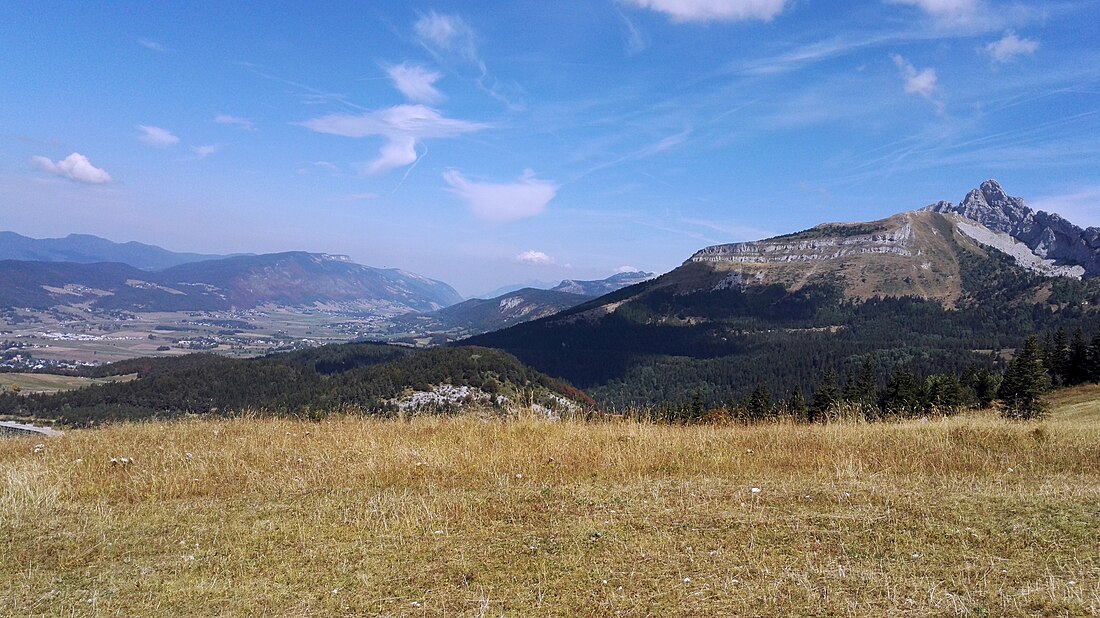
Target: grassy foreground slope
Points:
x,y
461,516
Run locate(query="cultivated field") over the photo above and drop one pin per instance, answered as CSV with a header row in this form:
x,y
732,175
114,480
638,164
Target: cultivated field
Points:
x,y
468,517
49,383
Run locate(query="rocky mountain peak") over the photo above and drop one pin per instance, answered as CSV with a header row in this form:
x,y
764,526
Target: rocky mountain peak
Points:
x,y
1047,235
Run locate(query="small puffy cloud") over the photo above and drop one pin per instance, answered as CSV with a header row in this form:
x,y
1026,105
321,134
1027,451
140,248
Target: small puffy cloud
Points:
x,y
156,136
447,35
945,11
152,46
714,10
1009,47
416,82
527,197
403,126
75,167
627,269
241,123
916,82
202,152
538,258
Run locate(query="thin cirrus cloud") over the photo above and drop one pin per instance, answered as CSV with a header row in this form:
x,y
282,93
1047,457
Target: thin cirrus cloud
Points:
x,y
952,12
156,136
537,258
1009,47
446,35
402,126
152,46
502,202
416,82
241,123
75,167
714,10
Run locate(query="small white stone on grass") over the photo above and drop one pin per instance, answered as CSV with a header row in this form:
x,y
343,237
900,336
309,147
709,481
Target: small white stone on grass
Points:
x,y
756,490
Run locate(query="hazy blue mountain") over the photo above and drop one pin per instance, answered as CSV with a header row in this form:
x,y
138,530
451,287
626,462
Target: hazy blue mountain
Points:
x,y
88,249
476,315
505,289
294,278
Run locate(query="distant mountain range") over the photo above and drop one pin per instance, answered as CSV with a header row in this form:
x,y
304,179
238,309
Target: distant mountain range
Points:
x,y
293,278
934,289
475,316
573,286
88,249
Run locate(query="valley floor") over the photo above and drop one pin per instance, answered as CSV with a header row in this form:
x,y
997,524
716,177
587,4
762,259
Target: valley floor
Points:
x,y
468,517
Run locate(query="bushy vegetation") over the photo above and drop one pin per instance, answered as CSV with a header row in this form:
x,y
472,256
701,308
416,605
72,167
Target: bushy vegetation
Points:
x,y
364,378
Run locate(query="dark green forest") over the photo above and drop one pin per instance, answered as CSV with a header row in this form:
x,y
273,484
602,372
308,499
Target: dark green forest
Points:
x,y
360,377
660,348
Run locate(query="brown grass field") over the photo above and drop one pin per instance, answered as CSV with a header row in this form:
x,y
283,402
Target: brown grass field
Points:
x,y
968,516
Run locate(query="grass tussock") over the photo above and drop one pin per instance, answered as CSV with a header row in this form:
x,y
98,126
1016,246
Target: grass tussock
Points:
x,y
465,516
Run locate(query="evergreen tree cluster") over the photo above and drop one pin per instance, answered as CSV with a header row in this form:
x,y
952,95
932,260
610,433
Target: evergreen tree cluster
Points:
x,y
364,377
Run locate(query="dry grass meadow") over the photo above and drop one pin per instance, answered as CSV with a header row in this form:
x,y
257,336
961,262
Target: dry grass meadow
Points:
x,y
970,516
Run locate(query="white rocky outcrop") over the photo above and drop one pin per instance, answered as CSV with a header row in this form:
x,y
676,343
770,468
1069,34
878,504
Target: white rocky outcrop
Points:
x,y
799,248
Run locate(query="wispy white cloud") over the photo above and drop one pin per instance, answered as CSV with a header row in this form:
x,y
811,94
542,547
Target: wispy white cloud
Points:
x,y
446,35
75,167
236,121
201,152
635,39
311,167
501,202
156,136
666,143
537,258
403,126
627,269
714,10
152,46
356,197
923,83
416,82
1009,47
809,54
950,12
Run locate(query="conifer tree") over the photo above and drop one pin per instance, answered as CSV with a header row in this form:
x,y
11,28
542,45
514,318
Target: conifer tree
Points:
x,y
902,394
1077,369
1092,370
867,387
796,405
1025,383
826,396
759,404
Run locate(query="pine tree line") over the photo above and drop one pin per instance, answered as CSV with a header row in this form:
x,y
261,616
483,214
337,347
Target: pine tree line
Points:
x,y
1017,392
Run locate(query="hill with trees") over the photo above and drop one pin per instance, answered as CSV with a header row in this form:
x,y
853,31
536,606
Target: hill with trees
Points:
x,y
917,293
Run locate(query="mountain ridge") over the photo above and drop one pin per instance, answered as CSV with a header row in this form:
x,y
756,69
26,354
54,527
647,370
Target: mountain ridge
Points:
x,y
1048,235
915,291
89,249
294,278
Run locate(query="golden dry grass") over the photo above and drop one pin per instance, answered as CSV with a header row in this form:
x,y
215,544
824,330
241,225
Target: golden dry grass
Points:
x,y
467,517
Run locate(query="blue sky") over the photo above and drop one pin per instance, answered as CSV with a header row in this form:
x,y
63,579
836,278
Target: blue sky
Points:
x,y
486,143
